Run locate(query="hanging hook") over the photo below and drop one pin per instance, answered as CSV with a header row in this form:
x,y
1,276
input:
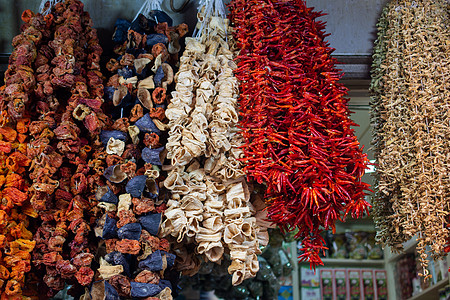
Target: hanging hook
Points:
x,y
180,9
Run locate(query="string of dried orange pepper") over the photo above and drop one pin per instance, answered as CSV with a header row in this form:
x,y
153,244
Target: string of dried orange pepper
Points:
x,y
295,120
16,242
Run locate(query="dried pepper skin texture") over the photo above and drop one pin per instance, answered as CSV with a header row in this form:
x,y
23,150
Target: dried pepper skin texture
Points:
x,y
64,122
16,99
130,192
295,121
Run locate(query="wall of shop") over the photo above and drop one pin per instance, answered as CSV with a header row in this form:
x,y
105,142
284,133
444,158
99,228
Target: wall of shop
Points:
x,y
351,24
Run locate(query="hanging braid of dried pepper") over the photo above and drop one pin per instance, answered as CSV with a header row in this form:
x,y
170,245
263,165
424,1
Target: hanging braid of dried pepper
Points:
x,y
65,130
413,144
295,120
381,204
15,100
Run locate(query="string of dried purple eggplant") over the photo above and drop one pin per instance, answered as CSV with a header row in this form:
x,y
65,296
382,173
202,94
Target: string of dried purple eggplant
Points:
x,y
65,130
209,214
415,146
137,262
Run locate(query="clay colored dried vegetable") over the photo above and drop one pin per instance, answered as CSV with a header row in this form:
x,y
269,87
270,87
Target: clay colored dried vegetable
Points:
x,y
410,116
295,120
64,130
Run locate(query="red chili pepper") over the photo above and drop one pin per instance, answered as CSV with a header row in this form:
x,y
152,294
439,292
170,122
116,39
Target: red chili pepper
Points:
x,y
295,121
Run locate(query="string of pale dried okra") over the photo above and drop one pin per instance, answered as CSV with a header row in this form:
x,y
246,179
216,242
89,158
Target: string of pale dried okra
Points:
x,y
415,146
382,207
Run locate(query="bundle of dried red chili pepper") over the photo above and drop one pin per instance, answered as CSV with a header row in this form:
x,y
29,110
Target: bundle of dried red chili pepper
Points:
x,y
295,120
66,121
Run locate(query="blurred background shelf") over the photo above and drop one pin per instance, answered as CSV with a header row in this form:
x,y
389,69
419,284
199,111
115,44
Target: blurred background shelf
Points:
x,y
432,292
408,247
350,262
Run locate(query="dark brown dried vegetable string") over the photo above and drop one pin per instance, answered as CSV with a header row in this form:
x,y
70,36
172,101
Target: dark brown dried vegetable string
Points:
x,y
65,130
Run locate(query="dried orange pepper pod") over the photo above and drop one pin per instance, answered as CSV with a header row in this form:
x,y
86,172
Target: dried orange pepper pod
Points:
x,y
8,134
4,117
12,287
15,195
5,147
21,158
6,203
10,260
20,147
4,273
14,180
5,296
27,15
3,219
25,244
2,241
22,125
21,138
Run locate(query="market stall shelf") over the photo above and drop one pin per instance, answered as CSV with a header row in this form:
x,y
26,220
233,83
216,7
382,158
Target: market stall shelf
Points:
x,y
432,292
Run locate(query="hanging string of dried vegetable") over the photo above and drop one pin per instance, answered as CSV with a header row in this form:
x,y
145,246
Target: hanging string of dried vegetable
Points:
x,y
412,134
16,100
137,263
295,120
65,126
382,207
210,212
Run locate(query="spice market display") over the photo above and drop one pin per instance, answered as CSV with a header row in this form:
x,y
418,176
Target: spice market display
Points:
x,y
137,260
295,121
209,213
411,127
160,164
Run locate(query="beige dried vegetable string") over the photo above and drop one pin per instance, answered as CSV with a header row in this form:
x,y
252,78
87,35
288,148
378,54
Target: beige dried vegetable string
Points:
x,y
382,207
210,210
410,112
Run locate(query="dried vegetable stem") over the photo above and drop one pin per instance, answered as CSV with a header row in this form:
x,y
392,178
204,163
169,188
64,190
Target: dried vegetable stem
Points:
x,y
295,120
209,214
411,126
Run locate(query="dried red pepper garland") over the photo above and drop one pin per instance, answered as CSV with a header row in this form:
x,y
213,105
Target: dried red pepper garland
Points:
x,y
64,130
295,120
